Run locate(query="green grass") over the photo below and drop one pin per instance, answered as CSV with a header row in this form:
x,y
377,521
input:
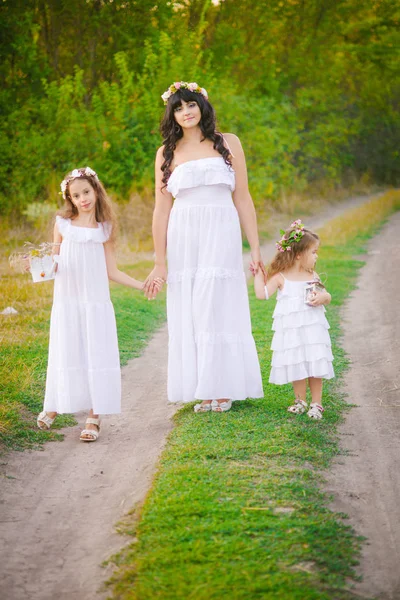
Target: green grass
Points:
x,y
24,340
236,510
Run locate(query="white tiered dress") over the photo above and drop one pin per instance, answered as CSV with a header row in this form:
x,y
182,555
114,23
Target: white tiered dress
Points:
x,y
83,368
301,343
212,353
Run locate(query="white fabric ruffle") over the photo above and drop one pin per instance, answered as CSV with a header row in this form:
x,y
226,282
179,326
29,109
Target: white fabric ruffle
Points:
x,y
321,368
211,351
212,171
83,234
286,339
83,368
301,343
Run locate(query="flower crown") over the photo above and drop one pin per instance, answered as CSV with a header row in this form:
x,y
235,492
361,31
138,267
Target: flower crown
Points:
x,y
288,239
86,172
183,85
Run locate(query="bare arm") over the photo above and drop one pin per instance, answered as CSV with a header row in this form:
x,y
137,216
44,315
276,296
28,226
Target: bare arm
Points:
x,y
243,200
57,239
114,274
271,286
161,214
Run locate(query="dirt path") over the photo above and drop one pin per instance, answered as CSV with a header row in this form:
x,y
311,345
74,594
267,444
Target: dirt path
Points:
x,y
366,483
59,506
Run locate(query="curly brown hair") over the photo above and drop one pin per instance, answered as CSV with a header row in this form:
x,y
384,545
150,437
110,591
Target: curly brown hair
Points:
x,y
104,211
285,260
172,132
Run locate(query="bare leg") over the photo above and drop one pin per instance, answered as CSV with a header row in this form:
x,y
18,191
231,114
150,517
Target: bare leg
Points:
x,y
300,389
315,384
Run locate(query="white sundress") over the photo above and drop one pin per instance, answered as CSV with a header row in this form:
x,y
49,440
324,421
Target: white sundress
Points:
x,y
211,352
83,369
301,343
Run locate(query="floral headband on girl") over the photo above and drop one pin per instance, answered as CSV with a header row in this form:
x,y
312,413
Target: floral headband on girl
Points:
x,y
287,240
86,172
183,85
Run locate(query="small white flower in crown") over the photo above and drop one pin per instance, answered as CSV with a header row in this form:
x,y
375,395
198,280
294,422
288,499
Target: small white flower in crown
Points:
x,y
177,85
87,171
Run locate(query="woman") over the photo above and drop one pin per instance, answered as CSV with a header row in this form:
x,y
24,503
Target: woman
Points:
x,y
212,354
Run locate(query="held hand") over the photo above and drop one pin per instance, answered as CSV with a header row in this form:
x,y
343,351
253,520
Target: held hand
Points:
x,y
154,282
256,266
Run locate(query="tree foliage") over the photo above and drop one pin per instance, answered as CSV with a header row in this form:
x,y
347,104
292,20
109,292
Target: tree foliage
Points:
x,y
312,88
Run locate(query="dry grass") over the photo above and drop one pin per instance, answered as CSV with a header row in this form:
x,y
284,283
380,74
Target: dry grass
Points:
x,y
359,220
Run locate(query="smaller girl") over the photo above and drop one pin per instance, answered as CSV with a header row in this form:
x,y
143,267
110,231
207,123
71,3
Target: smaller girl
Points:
x,y
301,343
83,370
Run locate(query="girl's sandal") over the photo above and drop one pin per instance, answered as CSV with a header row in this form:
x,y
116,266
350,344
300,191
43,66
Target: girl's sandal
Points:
x,y
90,435
200,408
221,406
315,411
43,421
298,408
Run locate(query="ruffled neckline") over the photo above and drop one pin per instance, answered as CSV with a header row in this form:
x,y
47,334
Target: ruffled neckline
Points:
x,y
99,234
190,174
187,162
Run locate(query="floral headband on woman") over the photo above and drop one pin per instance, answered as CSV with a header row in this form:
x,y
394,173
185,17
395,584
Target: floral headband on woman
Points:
x,y
86,172
287,240
183,85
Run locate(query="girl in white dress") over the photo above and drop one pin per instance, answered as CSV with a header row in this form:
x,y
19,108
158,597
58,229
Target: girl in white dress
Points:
x,y
202,197
301,343
83,368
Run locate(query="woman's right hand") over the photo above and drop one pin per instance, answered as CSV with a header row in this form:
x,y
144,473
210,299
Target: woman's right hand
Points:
x,y
151,286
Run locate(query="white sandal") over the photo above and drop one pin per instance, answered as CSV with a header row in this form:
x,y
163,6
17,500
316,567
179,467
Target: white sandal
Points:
x,y
43,421
299,407
315,411
221,406
200,408
91,435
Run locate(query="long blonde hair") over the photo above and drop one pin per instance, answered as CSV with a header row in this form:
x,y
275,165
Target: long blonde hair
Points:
x,y
104,211
283,261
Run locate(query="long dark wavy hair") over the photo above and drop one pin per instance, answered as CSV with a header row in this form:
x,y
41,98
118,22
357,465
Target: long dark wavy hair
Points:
x,y
172,132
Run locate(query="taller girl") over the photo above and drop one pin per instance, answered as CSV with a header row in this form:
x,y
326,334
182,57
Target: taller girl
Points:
x,y
212,355
84,370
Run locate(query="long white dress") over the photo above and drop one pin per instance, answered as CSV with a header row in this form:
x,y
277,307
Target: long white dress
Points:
x,y
83,368
301,343
212,353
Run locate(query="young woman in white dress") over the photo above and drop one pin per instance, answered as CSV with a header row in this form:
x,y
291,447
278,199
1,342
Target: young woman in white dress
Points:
x,y
83,370
202,197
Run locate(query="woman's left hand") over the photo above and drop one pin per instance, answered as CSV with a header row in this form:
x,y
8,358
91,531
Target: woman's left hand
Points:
x,y
256,265
155,281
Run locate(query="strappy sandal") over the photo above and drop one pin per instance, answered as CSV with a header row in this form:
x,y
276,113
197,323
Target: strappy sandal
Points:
x,y
43,421
90,435
299,407
221,406
315,411
200,408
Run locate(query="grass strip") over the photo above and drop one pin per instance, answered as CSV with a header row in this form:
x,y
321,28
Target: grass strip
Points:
x,y
236,510
24,340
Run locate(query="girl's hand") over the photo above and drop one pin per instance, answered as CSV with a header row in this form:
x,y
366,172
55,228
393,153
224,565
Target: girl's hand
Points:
x,y
155,281
320,298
